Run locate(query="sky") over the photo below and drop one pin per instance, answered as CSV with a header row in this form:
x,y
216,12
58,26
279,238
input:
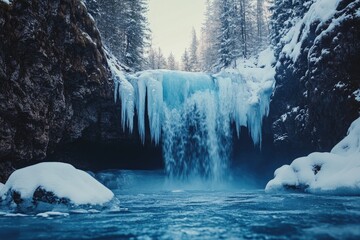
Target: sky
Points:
x,y
171,23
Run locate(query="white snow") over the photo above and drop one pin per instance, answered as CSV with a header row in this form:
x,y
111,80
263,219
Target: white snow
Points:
x,y
15,215
1,186
357,95
87,36
5,1
320,11
62,179
52,214
340,85
337,172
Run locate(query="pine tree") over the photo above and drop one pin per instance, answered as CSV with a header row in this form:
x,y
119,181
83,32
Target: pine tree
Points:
x,y
151,59
123,28
209,36
171,62
160,61
228,38
194,62
284,15
135,34
186,66
262,29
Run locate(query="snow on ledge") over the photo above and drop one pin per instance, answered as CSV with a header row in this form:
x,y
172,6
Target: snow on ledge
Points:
x,y
62,179
5,1
337,172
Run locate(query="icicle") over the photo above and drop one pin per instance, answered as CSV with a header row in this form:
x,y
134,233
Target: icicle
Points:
x,y
192,113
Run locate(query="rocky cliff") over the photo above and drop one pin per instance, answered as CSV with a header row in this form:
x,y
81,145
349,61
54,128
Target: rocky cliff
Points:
x,y
317,93
54,81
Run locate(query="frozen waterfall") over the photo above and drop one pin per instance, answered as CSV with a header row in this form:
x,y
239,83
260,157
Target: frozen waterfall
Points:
x,y
191,114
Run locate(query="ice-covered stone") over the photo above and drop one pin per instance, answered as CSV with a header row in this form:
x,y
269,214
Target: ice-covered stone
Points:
x,y
54,182
337,172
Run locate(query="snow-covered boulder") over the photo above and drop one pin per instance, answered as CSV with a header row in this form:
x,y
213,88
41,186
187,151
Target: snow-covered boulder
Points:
x,y
54,183
337,172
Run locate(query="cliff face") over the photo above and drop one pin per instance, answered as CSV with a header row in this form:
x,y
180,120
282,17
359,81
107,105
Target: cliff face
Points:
x,y
317,94
54,81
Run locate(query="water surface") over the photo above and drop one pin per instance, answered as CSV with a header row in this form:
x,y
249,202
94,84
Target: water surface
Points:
x,y
153,208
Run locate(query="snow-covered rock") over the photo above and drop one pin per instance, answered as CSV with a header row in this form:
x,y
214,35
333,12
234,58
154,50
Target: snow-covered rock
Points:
x,y
5,1
317,71
54,182
337,172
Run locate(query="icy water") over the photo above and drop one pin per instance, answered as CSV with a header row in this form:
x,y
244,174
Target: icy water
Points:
x,y
153,208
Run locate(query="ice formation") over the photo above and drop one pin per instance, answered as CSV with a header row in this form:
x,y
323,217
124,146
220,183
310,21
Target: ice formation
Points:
x,y
335,172
62,179
191,113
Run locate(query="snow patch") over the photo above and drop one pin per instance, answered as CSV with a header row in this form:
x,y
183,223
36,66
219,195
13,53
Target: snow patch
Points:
x,y
52,214
295,109
357,95
15,215
340,85
5,1
320,11
337,172
62,179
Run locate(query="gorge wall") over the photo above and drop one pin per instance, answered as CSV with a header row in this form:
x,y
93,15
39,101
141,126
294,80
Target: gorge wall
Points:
x,y
317,93
55,84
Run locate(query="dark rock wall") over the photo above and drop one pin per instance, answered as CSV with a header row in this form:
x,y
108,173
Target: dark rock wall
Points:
x,y
54,80
314,102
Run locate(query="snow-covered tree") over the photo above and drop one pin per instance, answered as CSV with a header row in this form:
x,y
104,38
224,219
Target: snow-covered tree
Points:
x,y
151,59
171,62
194,62
232,29
160,61
135,33
209,36
284,14
123,26
229,49
186,65
156,59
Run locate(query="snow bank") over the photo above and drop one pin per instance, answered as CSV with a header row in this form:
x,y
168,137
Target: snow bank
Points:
x,y
337,172
62,179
